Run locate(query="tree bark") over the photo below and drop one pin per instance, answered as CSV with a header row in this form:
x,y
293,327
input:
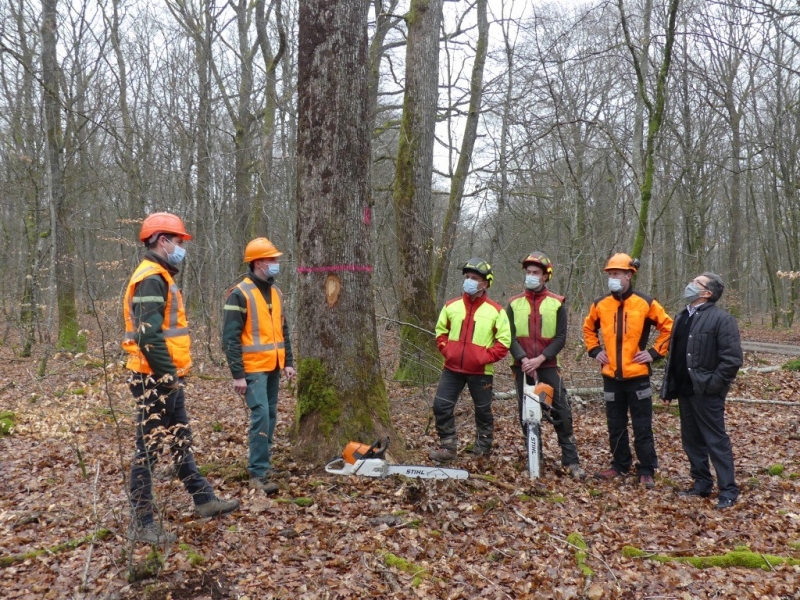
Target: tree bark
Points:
x,y
340,391
413,207
63,261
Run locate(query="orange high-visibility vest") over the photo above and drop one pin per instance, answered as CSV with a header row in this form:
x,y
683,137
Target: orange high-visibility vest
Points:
x,y
262,337
175,328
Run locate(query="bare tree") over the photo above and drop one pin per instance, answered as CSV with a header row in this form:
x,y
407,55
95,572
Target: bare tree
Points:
x,y
63,257
412,192
655,111
459,177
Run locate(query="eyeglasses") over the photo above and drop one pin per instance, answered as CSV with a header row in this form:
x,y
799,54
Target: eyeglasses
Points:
x,y
701,284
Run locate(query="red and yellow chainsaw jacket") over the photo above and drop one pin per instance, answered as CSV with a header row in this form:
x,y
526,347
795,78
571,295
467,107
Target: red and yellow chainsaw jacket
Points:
x,y
625,323
472,334
156,330
539,325
257,343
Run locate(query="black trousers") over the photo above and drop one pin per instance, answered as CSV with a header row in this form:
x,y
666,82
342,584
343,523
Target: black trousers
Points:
x,y
639,401
450,387
561,409
162,417
703,435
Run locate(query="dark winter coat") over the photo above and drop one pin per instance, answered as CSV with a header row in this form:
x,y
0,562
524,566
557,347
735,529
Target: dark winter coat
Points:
x,y
713,352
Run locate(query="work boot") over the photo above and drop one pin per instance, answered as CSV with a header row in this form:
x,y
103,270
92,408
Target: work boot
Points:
x,y
480,452
575,471
443,454
152,533
693,492
264,484
216,507
647,481
608,474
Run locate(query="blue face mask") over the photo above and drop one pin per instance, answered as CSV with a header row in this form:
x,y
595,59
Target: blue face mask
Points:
x,y
470,287
532,282
273,269
615,285
177,255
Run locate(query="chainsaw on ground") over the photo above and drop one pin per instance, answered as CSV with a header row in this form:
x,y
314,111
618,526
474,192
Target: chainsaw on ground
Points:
x,y
370,461
535,396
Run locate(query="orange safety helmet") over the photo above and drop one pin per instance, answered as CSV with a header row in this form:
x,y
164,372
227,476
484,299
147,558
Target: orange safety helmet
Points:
x,y
622,262
539,258
260,248
162,222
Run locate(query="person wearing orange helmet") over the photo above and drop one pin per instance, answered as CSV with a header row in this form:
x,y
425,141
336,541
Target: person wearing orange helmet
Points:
x,y
158,346
538,319
256,341
625,317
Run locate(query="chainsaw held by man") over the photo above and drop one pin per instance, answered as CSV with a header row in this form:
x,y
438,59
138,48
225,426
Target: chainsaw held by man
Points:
x,y
370,461
537,402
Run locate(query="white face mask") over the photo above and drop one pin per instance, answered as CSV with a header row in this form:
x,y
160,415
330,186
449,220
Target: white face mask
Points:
x,y
615,285
532,282
470,287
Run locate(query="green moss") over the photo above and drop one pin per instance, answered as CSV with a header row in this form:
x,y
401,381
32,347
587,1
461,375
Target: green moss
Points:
x,y
490,504
524,497
794,476
149,567
741,557
794,545
315,395
414,523
556,499
195,559
303,501
595,493
792,365
7,421
581,554
10,559
78,392
776,469
231,473
216,426
401,564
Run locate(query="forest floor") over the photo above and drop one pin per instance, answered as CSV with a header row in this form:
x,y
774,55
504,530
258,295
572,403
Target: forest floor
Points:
x,y
64,512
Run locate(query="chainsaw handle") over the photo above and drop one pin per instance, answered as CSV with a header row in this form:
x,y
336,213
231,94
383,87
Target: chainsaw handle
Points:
x,y
378,448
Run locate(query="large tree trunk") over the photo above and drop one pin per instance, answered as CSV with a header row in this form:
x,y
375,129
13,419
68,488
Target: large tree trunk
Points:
x,y
63,262
340,391
413,207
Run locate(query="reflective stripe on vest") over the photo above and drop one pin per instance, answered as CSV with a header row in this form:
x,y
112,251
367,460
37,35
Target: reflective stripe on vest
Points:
x,y
262,337
175,328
